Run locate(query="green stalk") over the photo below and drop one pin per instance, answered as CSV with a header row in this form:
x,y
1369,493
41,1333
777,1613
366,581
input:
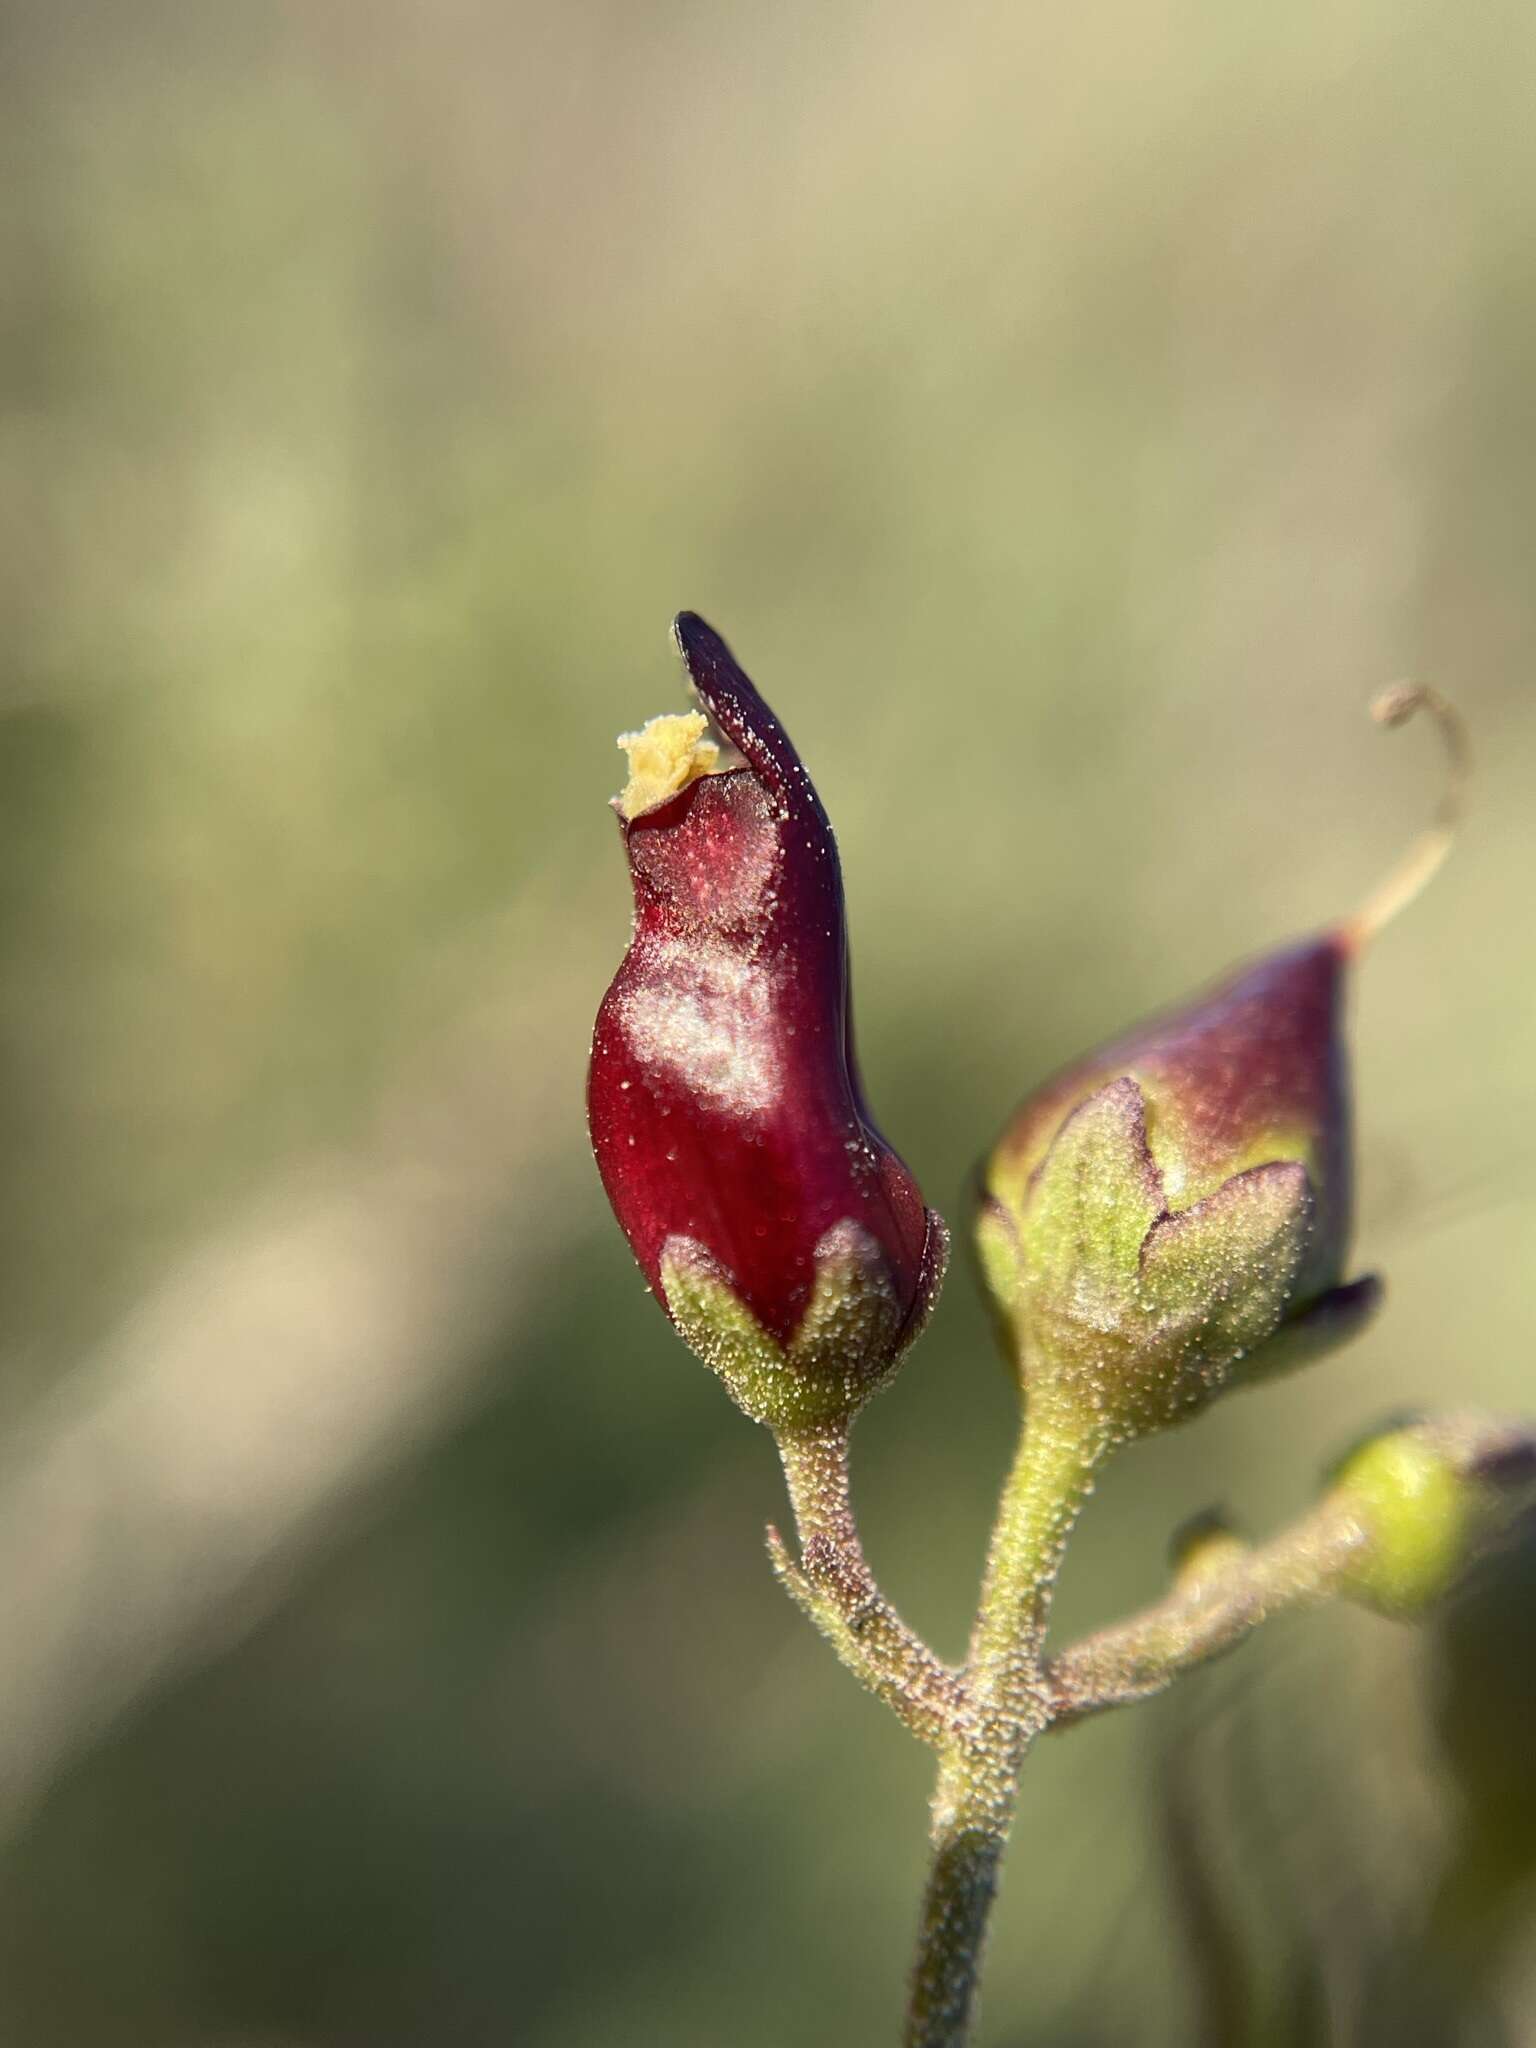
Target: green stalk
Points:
x,y
1007,1708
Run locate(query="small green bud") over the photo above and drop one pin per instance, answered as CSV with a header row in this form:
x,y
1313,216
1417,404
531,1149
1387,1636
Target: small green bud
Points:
x,y
1427,1497
1417,1513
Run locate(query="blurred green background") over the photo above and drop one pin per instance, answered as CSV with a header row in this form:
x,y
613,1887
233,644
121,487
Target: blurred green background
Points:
x,y
1071,415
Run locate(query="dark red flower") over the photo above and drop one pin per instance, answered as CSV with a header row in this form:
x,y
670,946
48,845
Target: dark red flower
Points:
x,y
726,1113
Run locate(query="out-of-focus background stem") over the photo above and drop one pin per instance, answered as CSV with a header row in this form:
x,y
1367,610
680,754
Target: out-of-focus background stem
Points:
x,y
1071,417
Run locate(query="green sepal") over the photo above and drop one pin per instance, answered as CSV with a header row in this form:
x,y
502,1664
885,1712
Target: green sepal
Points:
x,y
822,1375
1093,1199
1220,1273
852,1313
1000,1259
1132,1315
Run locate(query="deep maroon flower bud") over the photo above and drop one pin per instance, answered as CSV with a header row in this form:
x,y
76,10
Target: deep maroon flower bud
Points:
x,y
787,1241
1177,1205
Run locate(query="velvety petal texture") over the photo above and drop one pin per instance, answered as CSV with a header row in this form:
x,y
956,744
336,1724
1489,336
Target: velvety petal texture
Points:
x,y
726,1113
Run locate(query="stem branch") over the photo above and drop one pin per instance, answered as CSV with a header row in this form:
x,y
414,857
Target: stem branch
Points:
x,y
834,1586
1144,1654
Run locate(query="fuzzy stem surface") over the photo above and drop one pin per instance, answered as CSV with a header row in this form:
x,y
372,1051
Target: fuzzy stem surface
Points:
x,y
835,1587
1007,1707
1144,1654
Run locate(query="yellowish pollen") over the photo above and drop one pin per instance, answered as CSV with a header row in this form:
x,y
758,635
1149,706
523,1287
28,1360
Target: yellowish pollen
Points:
x,y
665,756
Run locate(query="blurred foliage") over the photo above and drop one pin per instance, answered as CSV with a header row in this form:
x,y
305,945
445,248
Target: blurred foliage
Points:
x,y
1070,416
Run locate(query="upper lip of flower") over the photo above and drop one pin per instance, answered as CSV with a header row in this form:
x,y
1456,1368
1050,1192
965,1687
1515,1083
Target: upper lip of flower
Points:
x,y
743,719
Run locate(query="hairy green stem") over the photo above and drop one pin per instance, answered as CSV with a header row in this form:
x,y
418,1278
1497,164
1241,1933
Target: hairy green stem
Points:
x,y
834,1586
984,1719
1144,1654
1043,1495
952,1931
1006,1708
